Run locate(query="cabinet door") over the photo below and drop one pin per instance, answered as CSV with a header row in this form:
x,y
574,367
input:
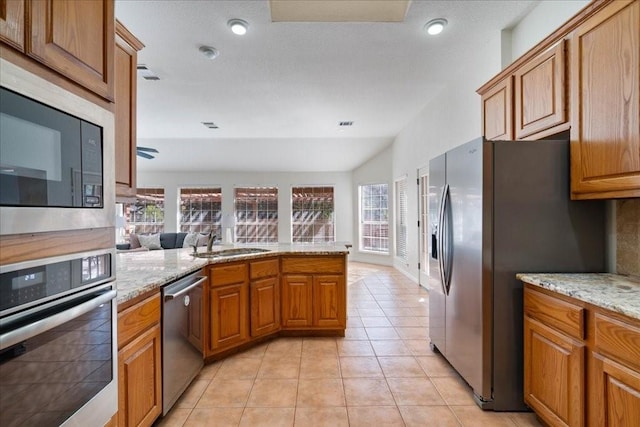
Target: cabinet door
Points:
x,y
497,107
615,393
126,59
12,23
265,306
140,380
297,299
605,104
328,301
554,374
540,93
228,322
75,38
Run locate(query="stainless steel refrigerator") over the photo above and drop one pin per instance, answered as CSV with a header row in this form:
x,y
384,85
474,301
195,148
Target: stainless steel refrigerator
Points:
x,y
497,209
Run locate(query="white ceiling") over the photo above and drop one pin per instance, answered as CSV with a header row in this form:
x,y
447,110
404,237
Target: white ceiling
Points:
x,y
278,92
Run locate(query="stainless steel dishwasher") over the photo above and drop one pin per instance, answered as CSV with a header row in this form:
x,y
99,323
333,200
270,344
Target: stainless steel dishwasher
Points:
x,y
182,357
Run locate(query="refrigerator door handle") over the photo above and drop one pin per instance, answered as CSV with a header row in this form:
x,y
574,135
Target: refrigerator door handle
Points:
x,y
441,227
446,240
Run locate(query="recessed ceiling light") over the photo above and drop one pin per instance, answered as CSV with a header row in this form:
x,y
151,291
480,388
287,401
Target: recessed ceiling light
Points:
x,y
238,26
209,52
435,26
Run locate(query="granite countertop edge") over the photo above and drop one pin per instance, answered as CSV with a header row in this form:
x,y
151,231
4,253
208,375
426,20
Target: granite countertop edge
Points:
x,y
615,292
139,273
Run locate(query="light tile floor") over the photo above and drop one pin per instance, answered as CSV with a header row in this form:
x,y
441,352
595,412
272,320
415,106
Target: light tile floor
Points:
x,y
382,373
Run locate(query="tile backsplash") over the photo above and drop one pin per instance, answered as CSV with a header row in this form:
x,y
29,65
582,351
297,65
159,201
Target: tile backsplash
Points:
x,y
628,236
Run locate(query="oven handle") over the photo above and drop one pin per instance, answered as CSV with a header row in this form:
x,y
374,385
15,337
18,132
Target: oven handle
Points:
x,y
31,330
185,290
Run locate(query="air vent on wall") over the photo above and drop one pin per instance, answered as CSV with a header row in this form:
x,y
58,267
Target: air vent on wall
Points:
x,y
345,124
210,125
146,73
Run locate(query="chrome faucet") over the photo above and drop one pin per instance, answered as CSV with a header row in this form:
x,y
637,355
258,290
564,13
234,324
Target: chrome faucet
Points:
x,y
212,237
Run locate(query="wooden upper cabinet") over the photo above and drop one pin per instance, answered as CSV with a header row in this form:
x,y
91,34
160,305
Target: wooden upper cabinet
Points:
x,y
12,23
605,103
75,38
126,60
540,93
497,111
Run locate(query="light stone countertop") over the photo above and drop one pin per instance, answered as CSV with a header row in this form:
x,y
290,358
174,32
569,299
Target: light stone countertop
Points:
x,y
614,292
140,272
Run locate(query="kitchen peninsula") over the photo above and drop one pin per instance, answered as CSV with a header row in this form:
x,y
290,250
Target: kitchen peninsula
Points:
x,y
245,299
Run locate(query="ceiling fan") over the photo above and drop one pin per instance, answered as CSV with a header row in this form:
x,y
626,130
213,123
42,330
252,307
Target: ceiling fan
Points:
x,y
144,152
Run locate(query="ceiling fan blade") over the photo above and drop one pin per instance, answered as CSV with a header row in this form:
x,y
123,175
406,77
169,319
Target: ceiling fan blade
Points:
x,y
145,155
147,149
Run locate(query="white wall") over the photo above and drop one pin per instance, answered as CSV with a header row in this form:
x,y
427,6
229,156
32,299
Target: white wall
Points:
x,y
173,181
453,117
543,20
375,171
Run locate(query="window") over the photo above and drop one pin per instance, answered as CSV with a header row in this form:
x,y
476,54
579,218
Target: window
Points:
x,y
201,210
146,214
312,215
374,220
401,218
256,210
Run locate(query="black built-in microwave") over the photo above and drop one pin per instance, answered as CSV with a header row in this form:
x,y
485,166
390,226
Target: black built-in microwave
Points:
x,y
48,158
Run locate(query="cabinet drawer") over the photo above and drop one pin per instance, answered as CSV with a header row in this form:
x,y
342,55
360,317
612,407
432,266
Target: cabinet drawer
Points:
x,y
267,268
308,264
618,339
564,316
228,274
135,319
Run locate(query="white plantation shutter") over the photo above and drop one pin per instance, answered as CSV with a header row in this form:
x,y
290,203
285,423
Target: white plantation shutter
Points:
x,y
256,212
201,210
312,215
401,218
374,218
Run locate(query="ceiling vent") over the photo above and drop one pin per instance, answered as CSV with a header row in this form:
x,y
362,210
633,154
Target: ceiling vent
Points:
x,y
344,124
210,125
146,73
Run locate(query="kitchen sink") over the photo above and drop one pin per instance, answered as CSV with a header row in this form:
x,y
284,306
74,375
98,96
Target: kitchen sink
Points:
x,y
230,252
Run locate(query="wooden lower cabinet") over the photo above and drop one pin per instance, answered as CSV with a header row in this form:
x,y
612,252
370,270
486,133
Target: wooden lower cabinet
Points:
x,y
140,364
314,293
227,302
329,301
617,389
313,301
248,301
553,374
228,323
572,379
297,301
265,306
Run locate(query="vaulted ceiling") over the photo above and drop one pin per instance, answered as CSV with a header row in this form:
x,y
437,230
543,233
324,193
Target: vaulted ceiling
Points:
x,y
278,93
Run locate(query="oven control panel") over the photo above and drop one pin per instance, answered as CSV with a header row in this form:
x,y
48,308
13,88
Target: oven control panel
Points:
x,y
30,285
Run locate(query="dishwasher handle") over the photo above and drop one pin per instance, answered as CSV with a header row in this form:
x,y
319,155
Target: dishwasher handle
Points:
x,y
170,296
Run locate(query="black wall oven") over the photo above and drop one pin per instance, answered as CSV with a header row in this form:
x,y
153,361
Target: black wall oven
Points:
x,y
58,360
